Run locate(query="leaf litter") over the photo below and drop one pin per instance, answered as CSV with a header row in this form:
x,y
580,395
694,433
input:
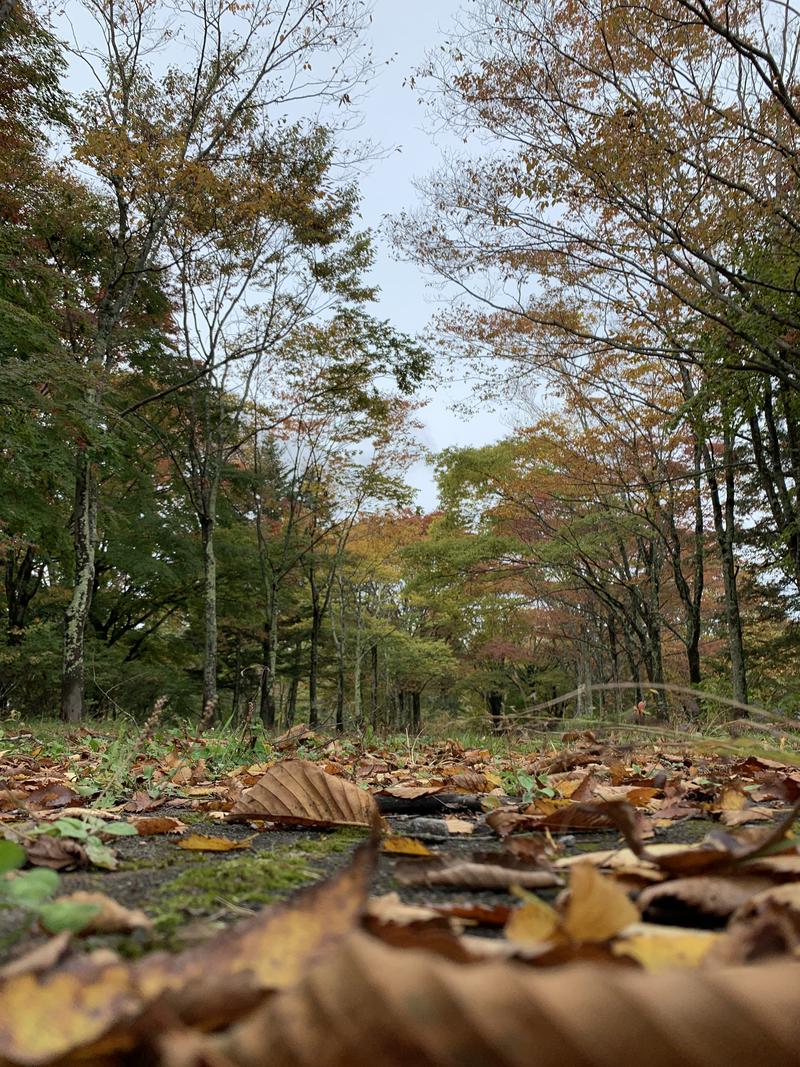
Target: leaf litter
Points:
x,y
646,944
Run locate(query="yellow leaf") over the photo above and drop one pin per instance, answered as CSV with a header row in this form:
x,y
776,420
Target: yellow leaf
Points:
x,y
534,922
201,843
660,947
597,908
405,846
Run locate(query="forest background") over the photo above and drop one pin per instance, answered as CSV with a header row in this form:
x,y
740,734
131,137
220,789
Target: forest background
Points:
x,y
207,431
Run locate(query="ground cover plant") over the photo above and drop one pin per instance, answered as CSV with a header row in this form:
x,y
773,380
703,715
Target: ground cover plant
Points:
x,y
217,904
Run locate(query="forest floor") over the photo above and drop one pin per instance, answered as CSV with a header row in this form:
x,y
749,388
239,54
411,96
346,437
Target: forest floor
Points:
x,y
632,851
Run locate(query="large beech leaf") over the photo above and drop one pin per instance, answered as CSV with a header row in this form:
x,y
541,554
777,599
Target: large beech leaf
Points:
x,y
69,1009
369,1003
299,792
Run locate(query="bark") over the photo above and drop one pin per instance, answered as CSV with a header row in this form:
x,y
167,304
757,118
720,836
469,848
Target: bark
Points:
x,y
724,516
270,651
291,703
313,669
373,688
340,682
22,583
209,614
494,704
77,613
416,717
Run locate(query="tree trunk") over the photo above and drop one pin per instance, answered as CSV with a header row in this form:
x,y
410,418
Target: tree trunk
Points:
x,y
373,688
724,528
416,717
22,584
313,670
270,651
340,683
77,613
494,703
209,617
291,703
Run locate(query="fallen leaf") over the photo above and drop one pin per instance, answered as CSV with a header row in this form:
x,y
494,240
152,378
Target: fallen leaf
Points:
x,y
469,875
57,853
658,948
54,795
533,922
687,899
743,816
147,826
368,1003
202,843
410,792
458,826
300,793
46,1017
405,846
597,907
389,908
109,917
481,914
142,801
42,958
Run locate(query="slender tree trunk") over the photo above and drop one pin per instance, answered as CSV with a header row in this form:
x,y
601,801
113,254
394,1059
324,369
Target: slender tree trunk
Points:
x,y
373,688
22,584
724,516
77,613
494,704
416,717
358,713
270,652
313,669
340,684
209,615
291,703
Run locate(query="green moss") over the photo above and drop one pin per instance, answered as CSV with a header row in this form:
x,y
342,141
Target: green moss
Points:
x,y
336,841
241,881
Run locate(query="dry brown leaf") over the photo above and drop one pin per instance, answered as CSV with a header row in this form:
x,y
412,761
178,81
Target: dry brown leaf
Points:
x,y
468,875
458,826
705,895
370,1004
481,914
147,826
389,908
142,801
766,925
202,843
111,917
42,958
54,795
597,907
743,816
58,853
298,792
404,791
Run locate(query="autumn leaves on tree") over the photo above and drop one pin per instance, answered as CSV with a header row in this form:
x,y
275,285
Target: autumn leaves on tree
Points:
x,y
208,434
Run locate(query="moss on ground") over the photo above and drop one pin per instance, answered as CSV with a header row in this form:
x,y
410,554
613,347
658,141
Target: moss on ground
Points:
x,y
240,882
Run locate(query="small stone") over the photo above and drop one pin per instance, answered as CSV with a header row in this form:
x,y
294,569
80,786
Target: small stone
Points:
x,y
428,828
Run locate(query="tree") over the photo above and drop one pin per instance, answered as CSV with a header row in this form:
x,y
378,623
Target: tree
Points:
x,y
160,143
